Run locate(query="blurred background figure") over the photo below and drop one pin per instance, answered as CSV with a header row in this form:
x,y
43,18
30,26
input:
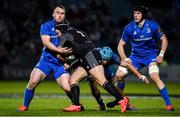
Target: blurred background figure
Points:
x,y
103,20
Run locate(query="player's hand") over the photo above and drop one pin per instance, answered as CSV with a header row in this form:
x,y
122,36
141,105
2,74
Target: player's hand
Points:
x,y
58,32
66,66
159,59
128,60
60,57
65,50
144,79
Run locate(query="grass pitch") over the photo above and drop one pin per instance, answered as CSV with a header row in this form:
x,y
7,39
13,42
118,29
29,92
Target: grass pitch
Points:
x,y
49,100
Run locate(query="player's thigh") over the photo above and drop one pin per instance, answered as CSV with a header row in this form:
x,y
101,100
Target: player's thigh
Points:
x,y
63,81
35,78
78,74
121,72
154,71
98,73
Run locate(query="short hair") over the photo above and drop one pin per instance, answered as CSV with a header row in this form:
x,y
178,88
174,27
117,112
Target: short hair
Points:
x,y
60,6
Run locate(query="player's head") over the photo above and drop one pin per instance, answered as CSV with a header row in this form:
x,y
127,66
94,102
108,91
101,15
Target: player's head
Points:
x,y
59,13
106,53
140,13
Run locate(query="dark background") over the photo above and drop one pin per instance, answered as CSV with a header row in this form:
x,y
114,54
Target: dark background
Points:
x,y
103,20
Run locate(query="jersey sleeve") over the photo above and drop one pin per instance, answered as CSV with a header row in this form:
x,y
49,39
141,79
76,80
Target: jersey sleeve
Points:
x,y
44,30
125,35
115,59
158,31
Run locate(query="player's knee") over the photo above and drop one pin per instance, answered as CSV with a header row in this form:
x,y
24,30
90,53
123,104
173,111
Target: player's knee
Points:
x,y
153,69
66,88
122,71
32,84
73,81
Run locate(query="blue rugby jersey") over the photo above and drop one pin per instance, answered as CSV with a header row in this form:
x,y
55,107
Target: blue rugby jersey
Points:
x,y
144,41
48,28
111,68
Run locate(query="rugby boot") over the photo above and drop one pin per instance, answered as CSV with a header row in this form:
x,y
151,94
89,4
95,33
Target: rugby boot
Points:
x,y
22,108
73,108
123,104
169,108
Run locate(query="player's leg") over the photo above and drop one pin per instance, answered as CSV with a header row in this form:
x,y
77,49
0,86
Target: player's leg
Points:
x,y
63,82
35,78
98,73
40,71
62,78
76,76
118,82
154,74
96,93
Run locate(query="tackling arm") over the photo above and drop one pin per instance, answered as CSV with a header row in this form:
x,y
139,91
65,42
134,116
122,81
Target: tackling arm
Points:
x,y
46,42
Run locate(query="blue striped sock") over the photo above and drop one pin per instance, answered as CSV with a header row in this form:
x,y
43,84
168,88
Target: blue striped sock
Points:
x,y
164,94
28,95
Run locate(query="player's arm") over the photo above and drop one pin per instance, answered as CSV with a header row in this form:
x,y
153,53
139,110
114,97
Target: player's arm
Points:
x,y
139,75
164,45
128,62
121,49
122,52
47,43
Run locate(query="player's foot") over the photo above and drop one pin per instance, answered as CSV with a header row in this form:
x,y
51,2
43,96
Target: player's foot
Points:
x,y
73,108
102,107
169,108
112,104
22,108
82,107
123,104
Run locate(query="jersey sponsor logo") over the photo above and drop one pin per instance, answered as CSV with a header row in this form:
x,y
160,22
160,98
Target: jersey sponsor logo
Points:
x,y
141,36
54,36
143,39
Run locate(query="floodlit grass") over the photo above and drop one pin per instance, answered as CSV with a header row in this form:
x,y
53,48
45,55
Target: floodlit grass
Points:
x,y
11,96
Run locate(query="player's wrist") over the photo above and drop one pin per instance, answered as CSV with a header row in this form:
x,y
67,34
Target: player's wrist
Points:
x,y
161,54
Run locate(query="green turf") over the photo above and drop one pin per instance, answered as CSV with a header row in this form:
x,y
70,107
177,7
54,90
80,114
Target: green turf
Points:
x,y
51,87
51,106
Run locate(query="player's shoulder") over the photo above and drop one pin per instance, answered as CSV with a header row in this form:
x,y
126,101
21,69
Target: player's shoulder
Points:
x,y
129,26
47,23
151,22
75,31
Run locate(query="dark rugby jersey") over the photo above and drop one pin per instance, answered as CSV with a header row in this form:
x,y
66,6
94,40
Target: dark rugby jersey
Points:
x,y
78,41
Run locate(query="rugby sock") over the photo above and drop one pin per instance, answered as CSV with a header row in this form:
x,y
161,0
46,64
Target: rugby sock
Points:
x,y
28,95
69,95
112,90
164,94
75,94
98,98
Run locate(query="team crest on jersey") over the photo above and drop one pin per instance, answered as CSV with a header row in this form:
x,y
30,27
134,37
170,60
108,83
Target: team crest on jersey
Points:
x,y
148,30
53,29
134,33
